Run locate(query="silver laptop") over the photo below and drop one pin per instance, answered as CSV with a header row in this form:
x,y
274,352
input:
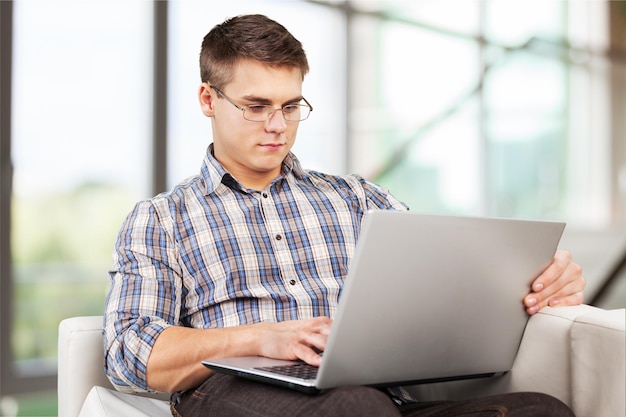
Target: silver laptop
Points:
x,y
428,298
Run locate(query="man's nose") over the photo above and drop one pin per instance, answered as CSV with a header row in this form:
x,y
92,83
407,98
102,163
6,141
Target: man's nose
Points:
x,y
276,121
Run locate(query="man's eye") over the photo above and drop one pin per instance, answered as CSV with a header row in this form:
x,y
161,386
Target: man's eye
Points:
x,y
258,109
290,108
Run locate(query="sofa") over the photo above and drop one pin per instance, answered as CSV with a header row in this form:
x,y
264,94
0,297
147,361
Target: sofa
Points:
x,y
576,354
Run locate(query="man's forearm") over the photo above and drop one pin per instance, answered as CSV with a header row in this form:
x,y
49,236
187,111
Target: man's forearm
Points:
x,y
175,361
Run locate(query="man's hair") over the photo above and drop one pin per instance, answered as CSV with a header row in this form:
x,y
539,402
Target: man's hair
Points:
x,y
253,37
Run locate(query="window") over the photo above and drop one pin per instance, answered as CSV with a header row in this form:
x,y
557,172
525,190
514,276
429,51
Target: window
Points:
x,y
489,110
80,148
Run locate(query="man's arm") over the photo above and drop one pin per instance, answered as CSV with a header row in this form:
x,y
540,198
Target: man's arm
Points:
x,y
143,299
175,361
561,284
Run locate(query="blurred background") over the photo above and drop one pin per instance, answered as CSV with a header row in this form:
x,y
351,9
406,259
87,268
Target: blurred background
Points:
x,y
487,108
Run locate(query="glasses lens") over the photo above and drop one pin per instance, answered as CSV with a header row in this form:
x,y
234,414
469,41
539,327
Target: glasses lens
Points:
x,y
296,112
291,113
257,113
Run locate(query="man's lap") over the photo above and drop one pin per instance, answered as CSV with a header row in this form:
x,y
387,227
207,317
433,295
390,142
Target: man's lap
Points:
x,y
227,395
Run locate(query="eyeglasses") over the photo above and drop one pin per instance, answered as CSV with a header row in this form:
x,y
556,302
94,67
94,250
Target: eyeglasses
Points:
x,y
263,112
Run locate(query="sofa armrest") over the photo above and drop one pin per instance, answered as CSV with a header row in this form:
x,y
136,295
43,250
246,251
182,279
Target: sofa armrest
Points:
x,y
81,362
576,354
81,372
543,362
599,364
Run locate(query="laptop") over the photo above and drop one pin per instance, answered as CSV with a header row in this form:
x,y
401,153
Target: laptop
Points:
x,y
428,298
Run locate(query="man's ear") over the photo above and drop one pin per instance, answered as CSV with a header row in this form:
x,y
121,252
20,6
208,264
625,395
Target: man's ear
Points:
x,y
206,97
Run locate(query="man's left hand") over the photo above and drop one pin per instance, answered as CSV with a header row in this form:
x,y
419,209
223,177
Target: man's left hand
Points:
x,y
561,284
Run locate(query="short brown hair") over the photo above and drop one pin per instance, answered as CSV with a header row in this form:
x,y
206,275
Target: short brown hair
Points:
x,y
254,37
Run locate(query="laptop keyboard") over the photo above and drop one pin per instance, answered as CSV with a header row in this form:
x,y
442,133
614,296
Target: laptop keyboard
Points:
x,y
297,370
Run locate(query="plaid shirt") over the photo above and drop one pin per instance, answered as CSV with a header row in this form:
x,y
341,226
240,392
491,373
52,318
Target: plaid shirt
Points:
x,y
211,253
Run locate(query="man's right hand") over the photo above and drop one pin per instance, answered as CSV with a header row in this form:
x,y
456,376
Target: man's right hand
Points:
x,y
297,339
175,360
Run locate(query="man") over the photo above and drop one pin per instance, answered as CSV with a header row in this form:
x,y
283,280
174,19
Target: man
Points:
x,y
249,257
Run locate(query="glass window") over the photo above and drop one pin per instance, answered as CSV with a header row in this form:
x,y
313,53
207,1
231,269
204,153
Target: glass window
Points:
x,y
479,111
423,105
81,150
526,112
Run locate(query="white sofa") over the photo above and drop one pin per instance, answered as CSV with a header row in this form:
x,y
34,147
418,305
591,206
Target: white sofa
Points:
x,y
576,354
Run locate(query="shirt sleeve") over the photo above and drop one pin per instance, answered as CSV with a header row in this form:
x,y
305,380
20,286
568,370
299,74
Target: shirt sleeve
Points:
x,y
378,197
144,298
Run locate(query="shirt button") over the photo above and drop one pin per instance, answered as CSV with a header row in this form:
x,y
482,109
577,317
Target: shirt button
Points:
x,y
278,237
292,282
264,195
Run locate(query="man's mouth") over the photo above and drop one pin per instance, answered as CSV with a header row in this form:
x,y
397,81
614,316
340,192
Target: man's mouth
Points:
x,y
273,146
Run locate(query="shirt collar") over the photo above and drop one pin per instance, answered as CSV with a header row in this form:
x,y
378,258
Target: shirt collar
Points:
x,y
291,164
215,174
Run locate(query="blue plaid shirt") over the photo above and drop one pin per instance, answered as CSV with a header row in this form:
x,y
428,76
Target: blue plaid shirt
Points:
x,y
211,253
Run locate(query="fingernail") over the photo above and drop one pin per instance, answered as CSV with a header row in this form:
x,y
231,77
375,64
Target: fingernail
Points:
x,y
538,287
553,302
531,302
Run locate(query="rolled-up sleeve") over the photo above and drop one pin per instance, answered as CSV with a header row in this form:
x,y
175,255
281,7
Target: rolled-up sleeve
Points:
x,y
145,294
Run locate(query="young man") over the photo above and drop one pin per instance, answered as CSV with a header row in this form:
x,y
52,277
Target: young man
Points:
x,y
249,256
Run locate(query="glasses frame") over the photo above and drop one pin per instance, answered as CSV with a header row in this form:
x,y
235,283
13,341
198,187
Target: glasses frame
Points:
x,y
269,116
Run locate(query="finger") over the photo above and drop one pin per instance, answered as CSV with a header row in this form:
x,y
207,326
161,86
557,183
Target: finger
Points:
x,y
570,282
553,272
309,351
562,276
569,300
309,355
317,341
313,340
570,292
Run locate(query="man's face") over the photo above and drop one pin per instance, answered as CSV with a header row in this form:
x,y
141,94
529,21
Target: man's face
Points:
x,y
253,151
